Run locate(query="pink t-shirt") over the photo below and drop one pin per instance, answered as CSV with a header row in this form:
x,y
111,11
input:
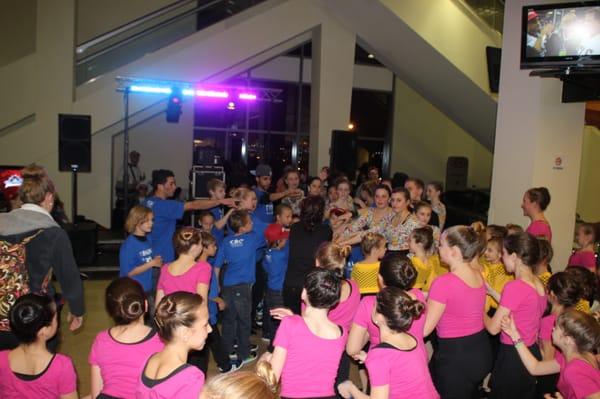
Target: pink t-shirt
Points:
x,y
185,382
586,259
120,374
404,371
527,308
364,318
546,327
197,274
538,228
311,363
463,314
59,378
578,379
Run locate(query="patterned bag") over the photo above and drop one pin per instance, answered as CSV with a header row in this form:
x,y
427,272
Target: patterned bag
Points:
x,y
14,277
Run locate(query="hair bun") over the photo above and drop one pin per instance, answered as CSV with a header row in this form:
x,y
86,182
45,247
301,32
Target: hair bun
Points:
x,y
33,172
265,372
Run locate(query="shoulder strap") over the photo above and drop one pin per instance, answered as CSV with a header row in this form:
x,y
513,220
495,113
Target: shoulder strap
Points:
x,y
27,240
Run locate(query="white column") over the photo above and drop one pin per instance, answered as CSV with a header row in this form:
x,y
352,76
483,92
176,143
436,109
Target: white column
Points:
x,y
533,128
331,88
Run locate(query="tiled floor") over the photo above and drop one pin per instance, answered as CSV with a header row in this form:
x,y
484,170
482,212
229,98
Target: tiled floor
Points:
x,y
77,345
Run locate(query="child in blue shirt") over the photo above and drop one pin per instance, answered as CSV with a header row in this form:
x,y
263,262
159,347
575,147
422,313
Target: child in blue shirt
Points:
x,y
136,258
238,251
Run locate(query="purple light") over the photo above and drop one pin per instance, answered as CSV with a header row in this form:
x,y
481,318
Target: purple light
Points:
x,y
247,96
212,93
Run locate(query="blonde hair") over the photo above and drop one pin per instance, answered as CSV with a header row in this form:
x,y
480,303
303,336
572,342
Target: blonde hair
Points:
x,y
175,310
261,384
332,256
371,241
36,184
241,193
137,215
184,238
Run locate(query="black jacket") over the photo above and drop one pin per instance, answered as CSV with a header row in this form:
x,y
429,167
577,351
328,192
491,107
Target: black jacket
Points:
x,y
51,249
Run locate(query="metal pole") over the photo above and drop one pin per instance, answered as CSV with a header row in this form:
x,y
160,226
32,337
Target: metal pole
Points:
x,y
296,145
126,153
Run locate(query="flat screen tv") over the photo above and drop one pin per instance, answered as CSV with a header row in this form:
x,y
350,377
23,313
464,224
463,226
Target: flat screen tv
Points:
x,y
561,35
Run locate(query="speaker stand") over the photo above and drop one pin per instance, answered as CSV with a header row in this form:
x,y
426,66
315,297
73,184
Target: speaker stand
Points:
x,y
74,169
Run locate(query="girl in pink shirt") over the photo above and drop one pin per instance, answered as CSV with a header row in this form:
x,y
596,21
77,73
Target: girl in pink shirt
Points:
x,y
525,299
30,370
577,336
455,309
185,273
585,256
117,375
535,202
308,348
563,294
396,366
182,321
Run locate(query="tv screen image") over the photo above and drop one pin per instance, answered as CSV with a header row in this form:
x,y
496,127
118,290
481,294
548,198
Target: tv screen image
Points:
x,y
558,35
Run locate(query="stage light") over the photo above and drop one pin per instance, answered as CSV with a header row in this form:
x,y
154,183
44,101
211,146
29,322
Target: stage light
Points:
x,y
350,126
151,89
174,106
188,92
371,56
212,93
247,96
231,106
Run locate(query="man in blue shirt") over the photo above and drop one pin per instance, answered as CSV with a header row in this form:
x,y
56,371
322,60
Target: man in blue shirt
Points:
x,y
239,252
264,207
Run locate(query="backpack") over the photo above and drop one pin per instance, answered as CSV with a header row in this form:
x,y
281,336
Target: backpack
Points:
x,y
14,276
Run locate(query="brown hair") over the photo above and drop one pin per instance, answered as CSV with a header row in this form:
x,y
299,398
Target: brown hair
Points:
x,y
213,184
125,301
525,246
582,328
546,251
332,256
568,290
398,308
261,384
241,193
238,219
36,184
512,228
422,204
342,180
136,215
497,242
589,230
468,241
371,241
184,238
398,271
496,231
176,310
423,236
207,239
437,186
539,195
479,227
282,207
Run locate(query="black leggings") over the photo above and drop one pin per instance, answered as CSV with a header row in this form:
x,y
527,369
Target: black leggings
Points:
x,y
460,364
510,378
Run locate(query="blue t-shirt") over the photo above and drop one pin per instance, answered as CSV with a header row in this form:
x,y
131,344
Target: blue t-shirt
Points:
x,y
275,265
166,214
356,256
264,206
134,252
218,214
239,252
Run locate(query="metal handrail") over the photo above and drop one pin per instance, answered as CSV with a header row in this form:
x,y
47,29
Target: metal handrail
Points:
x,y
130,25
146,32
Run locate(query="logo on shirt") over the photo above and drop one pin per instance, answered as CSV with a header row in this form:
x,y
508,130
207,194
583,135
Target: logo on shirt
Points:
x,y
269,209
236,243
149,203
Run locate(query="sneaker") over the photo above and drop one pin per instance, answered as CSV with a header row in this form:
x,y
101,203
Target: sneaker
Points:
x,y
252,357
266,339
253,348
232,367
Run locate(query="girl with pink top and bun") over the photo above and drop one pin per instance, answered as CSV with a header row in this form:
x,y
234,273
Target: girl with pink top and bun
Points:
x,y
182,321
119,353
396,366
535,202
308,348
393,272
455,308
525,299
577,336
30,370
585,256
563,294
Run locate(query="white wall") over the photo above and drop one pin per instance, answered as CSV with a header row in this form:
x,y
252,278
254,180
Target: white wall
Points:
x,y
17,29
424,138
588,203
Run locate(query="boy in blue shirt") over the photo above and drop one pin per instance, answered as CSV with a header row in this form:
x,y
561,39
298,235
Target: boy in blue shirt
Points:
x,y
275,265
239,252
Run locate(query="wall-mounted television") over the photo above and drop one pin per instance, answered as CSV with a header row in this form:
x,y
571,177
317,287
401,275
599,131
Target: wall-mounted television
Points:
x,y
561,35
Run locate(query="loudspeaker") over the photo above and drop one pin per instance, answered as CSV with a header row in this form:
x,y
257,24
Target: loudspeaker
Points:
x,y
201,175
343,152
174,106
457,172
74,143
493,55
